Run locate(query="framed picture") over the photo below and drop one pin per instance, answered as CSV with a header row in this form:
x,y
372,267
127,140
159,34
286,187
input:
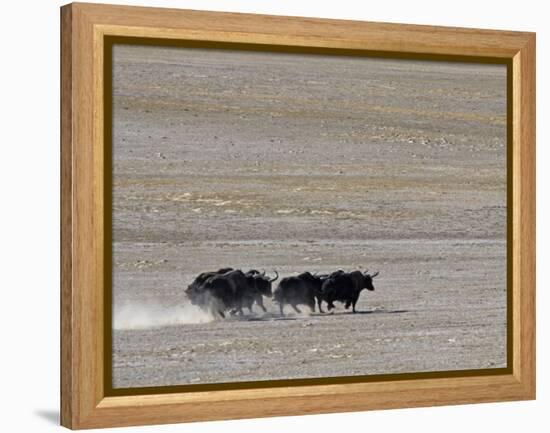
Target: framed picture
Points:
x,y
266,216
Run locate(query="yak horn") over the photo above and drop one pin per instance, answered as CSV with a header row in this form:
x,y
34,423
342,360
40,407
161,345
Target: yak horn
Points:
x,y
375,274
277,276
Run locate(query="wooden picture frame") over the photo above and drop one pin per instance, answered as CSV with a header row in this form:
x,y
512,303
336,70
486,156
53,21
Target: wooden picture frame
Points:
x,y
85,402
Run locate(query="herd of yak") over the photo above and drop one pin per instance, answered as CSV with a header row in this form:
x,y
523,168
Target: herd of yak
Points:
x,y
231,290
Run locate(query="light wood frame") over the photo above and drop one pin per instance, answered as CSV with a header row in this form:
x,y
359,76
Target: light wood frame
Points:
x,y
84,403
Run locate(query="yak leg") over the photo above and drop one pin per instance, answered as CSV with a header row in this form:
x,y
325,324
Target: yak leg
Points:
x,y
319,305
354,302
239,308
216,310
330,302
296,308
281,305
348,303
260,302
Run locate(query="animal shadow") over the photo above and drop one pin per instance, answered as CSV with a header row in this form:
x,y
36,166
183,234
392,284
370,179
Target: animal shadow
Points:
x,y
273,317
372,312
266,317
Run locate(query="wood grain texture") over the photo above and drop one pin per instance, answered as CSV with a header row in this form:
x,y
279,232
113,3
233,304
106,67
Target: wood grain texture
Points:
x,y
524,216
268,29
84,26
67,395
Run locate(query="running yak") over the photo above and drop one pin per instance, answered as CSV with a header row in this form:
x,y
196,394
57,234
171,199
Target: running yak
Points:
x,y
297,290
345,287
229,290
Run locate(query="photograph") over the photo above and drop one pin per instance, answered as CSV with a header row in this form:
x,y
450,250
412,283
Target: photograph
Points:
x,y
275,216
293,215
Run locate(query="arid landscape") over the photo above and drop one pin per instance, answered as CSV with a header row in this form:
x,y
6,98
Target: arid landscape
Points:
x,y
295,162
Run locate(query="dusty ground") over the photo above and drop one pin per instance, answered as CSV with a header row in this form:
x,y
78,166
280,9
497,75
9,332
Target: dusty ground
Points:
x,y
314,163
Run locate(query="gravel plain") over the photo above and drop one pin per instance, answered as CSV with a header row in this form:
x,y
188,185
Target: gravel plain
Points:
x,y
306,162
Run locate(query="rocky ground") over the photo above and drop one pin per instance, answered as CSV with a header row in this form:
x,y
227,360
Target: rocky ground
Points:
x,y
295,163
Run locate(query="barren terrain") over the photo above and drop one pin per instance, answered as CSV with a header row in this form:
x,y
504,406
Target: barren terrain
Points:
x,y
304,162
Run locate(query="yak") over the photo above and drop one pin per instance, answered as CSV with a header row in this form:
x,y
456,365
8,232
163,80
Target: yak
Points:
x,y
346,287
320,295
229,289
219,292
201,278
298,290
259,286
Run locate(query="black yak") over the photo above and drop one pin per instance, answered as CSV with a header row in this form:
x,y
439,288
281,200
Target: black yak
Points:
x,y
346,287
298,290
262,287
229,289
